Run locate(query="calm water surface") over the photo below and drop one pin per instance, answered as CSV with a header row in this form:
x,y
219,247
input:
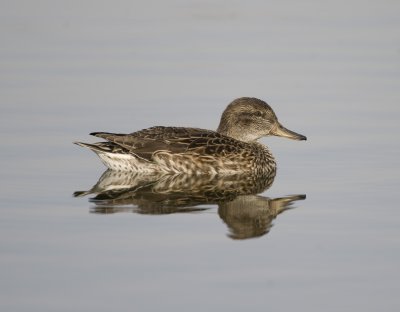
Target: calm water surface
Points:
x,y
330,73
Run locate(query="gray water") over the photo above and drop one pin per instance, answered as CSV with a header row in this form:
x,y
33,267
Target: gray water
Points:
x,y
329,69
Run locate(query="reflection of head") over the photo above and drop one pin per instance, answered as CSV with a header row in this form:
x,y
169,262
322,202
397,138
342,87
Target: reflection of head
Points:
x,y
251,216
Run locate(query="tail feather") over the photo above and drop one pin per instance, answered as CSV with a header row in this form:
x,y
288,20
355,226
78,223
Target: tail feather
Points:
x,y
105,135
82,193
103,147
96,147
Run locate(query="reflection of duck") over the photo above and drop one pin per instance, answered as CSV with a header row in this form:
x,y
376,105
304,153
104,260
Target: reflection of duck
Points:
x,y
246,214
232,149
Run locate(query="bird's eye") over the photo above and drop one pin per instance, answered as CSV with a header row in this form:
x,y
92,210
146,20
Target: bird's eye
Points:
x,y
258,114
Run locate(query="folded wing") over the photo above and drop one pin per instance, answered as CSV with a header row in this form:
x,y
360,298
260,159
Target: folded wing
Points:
x,y
174,140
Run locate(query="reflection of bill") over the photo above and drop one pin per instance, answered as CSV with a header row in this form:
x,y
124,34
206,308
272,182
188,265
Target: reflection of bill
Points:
x,y
245,213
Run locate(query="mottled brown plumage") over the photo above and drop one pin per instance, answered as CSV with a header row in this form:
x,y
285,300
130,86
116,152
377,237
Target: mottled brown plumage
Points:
x,y
233,148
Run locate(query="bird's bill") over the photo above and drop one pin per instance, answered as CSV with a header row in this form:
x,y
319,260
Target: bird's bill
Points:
x,y
286,133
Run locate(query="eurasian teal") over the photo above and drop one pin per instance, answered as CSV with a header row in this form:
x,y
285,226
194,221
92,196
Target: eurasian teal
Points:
x,y
232,149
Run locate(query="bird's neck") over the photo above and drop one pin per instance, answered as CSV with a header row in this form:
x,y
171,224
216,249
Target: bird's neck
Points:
x,y
237,133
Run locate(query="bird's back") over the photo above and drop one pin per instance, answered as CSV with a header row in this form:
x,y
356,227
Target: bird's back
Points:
x,y
179,149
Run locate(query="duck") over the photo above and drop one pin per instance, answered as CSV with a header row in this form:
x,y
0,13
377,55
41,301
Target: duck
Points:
x,y
232,149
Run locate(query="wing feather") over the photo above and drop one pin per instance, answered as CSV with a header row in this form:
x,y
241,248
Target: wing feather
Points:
x,y
175,140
